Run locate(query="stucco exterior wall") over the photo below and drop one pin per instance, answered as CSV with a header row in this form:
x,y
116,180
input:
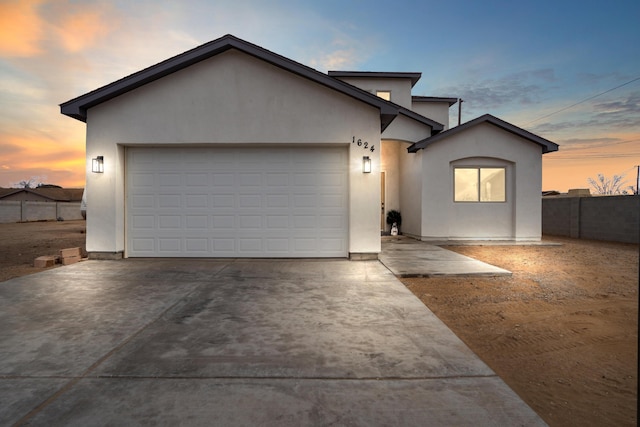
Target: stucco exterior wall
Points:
x,y
390,158
438,111
400,88
411,187
405,129
231,98
482,145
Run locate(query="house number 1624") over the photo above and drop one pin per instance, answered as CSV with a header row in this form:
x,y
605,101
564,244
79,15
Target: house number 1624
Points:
x,y
363,144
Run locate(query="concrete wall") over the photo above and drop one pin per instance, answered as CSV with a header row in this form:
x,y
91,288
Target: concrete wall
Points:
x,y
519,218
612,218
23,211
231,98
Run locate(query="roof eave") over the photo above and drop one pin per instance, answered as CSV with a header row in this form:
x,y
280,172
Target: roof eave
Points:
x,y
448,100
546,145
413,76
77,107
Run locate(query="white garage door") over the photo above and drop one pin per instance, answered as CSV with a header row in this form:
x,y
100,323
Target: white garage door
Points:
x,y
237,202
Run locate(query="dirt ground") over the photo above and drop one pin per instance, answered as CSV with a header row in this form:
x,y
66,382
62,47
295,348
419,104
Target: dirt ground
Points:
x,y
21,243
562,332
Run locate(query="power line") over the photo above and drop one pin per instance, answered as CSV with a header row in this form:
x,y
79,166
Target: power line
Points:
x,y
583,101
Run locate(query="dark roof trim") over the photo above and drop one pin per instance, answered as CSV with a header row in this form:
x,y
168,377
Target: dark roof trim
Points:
x,y
377,74
451,101
77,107
547,146
5,192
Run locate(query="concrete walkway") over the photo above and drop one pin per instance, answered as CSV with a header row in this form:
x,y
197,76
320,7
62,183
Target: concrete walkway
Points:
x,y
407,257
251,342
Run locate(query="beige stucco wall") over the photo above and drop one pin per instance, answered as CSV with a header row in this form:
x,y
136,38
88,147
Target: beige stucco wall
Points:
x,y
230,98
411,188
482,145
400,87
390,165
438,111
403,128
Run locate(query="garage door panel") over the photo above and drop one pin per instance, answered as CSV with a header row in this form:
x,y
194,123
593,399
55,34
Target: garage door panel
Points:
x,y
223,222
197,245
170,222
237,202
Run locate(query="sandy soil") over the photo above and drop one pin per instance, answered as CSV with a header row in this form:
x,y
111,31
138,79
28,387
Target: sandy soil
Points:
x,y
562,332
21,243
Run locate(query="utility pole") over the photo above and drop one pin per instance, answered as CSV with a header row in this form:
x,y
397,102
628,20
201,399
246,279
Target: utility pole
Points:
x,y
637,180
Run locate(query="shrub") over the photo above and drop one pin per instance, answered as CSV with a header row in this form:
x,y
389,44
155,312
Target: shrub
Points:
x,y
394,216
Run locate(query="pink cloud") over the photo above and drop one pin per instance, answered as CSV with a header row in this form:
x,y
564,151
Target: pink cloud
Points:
x,y
21,28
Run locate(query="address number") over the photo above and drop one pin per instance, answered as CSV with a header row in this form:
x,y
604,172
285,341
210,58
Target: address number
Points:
x,y
364,144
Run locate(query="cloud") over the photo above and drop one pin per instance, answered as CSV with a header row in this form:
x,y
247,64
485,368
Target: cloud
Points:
x,y
525,88
85,27
624,112
7,149
610,116
21,28
338,58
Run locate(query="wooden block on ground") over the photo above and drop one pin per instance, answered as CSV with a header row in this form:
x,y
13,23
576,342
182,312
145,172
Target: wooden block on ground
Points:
x,y
70,260
44,261
64,253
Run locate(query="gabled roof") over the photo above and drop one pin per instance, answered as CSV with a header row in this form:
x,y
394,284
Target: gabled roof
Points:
x,y
77,107
378,74
451,101
8,191
55,194
547,146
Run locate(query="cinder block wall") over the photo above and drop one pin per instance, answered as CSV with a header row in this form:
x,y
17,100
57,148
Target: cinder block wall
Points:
x,y
68,211
10,211
22,211
38,211
612,218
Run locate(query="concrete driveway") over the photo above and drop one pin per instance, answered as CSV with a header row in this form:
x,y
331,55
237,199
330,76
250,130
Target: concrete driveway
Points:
x,y
237,342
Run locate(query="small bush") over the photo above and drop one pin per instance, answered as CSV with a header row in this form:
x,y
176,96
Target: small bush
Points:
x,y
394,216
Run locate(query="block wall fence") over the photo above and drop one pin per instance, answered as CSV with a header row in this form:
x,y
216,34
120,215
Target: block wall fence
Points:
x,y
25,211
612,218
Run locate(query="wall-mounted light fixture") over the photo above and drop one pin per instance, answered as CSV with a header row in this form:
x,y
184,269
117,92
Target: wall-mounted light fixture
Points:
x,y
366,164
97,164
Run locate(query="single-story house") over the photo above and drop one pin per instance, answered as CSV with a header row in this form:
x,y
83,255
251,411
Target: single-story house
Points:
x,y
42,194
231,150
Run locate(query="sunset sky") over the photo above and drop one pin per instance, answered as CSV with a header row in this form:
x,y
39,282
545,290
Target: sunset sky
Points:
x,y
566,70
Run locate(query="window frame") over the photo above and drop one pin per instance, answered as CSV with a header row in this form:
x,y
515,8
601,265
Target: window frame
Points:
x,y
479,169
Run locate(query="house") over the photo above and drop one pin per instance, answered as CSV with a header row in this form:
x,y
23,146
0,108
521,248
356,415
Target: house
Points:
x,y
42,194
231,150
